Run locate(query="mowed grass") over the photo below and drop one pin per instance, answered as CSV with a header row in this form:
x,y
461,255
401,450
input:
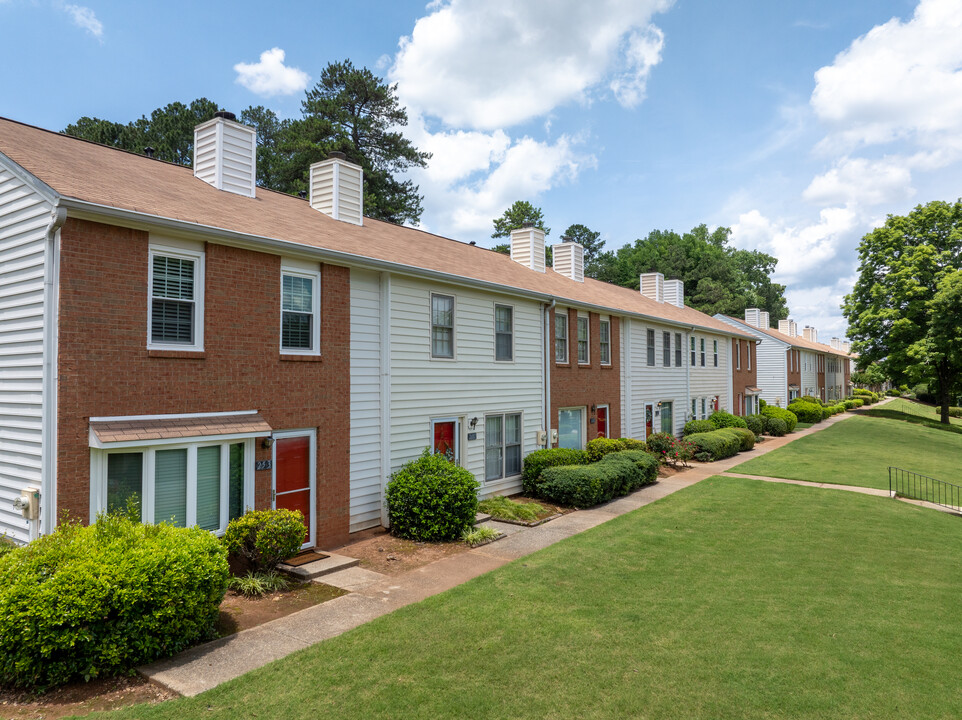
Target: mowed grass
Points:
x,y
730,599
913,412
860,450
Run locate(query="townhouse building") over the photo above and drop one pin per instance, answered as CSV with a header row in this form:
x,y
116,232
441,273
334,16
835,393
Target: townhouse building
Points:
x,y
181,338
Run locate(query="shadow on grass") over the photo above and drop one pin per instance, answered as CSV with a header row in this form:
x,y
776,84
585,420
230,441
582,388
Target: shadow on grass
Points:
x,y
907,417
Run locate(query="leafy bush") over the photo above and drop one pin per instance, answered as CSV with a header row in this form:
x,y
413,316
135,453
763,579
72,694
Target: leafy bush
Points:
x,y
790,418
256,584
660,443
858,402
867,396
756,423
632,444
265,538
724,419
761,404
93,601
587,485
431,499
746,436
599,447
809,399
806,412
849,404
674,453
827,412
536,462
892,392
474,536
955,412
775,426
719,444
697,426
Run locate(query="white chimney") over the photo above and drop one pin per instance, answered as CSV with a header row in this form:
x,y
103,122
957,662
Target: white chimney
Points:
x,y
810,334
846,347
836,344
225,154
568,259
674,292
337,189
763,320
653,286
527,247
785,327
794,328
751,316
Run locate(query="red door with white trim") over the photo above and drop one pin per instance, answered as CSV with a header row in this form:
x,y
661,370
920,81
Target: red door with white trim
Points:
x,y
603,421
292,477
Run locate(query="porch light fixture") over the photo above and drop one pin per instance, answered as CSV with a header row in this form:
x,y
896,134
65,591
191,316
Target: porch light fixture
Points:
x,y
267,443
473,422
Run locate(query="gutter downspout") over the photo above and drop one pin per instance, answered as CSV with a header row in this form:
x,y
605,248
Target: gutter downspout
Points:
x,y
546,391
384,352
51,313
691,334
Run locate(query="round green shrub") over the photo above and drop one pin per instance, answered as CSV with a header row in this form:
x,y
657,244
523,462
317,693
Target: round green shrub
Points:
x,y
761,404
85,602
955,412
632,444
827,413
265,538
746,436
756,423
775,426
697,426
806,412
660,443
536,462
719,444
858,402
790,418
431,499
724,419
599,447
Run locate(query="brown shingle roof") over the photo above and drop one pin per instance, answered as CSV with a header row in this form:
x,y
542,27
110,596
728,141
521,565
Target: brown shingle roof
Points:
x,y
797,341
114,178
117,430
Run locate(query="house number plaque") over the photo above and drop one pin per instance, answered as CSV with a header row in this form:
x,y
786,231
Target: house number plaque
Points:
x,y
262,465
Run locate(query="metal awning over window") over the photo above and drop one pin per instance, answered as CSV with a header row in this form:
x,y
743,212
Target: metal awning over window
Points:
x,y
794,387
134,431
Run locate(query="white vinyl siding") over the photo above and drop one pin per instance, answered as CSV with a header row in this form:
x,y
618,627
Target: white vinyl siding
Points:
x,y
711,380
24,218
771,362
650,384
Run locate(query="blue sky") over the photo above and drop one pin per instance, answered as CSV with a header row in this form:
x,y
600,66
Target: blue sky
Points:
x,y
800,125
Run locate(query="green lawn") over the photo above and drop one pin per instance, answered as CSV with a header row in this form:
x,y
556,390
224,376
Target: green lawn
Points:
x,y
860,450
913,412
730,599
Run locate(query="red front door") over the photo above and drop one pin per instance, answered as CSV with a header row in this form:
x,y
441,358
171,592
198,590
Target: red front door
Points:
x,y
603,421
649,420
292,473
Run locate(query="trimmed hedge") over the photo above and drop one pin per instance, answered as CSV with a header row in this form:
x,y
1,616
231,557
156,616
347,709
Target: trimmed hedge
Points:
x,y
955,412
536,463
431,499
756,423
791,420
776,426
697,426
599,447
265,537
806,412
747,437
724,419
94,601
583,486
632,444
718,444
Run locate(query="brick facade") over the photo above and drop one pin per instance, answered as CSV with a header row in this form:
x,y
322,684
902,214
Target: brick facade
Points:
x,y
743,377
105,368
578,385
793,360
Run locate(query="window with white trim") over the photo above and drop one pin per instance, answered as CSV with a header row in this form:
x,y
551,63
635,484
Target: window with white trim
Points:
x,y
300,311
738,354
715,351
176,317
604,331
651,347
503,332
678,349
704,413
502,446
692,350
702,352
748,347
583,350
442,326
200,484
666,349
561,337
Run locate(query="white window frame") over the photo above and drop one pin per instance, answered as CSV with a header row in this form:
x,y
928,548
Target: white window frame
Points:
x,y
748,348
607,409
197,257
312,477
315,277
693,351
714,353
738,354
651,343
512,333
504,445
454,331
587,341
604,340
666,348
679,350
98,475
557,339
702,354
584,423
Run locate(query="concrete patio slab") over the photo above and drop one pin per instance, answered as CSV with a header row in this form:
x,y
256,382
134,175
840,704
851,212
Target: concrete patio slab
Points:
x,y
353,578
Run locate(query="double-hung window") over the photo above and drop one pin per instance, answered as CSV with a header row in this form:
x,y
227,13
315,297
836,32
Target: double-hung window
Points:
x,y
503,332
678,349
300,311
561,337
738,354
702,352
651,347
715,352
748,347
198,484
442,326
693,351
583,353
604,332
502,446
704,413
176,317
666,349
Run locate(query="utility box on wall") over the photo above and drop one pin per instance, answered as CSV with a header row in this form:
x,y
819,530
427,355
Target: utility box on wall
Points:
x,y
28,503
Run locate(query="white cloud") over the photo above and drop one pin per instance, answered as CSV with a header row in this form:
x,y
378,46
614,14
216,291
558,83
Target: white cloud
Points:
x,y
490,64
270,76
863,182
86,19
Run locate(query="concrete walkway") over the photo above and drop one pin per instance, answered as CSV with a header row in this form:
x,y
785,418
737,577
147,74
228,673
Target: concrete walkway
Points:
x,y
372,594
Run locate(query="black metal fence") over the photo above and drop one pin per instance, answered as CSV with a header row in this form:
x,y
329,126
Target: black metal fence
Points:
x,y
907,484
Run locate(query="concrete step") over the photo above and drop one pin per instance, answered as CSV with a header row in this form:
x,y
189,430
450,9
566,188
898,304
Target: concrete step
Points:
x,y
319,568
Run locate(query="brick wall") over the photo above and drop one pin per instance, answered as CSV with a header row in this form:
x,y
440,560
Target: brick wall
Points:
x,y
744,377
105,368
574,385
794,368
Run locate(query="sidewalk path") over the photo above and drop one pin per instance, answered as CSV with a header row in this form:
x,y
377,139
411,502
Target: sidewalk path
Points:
x,y
372,594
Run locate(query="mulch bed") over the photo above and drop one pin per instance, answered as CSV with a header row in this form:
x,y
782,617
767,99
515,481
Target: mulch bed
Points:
x,y
82,698
381,552
242,613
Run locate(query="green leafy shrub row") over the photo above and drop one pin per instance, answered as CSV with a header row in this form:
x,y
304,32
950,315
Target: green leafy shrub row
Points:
x,y
264,538
724,419
697,426
536,463
747,437
85,602
772,411
599,447
955,412
431,499
584,486
718,444
756,423
806,412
